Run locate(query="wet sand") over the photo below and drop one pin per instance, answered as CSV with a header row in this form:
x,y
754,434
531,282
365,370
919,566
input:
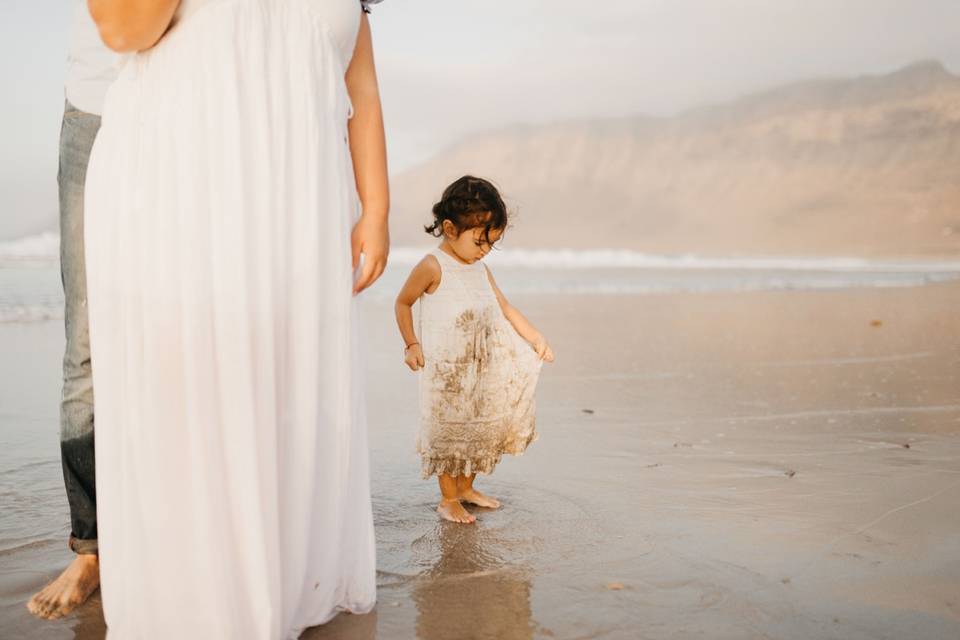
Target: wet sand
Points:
x,y
722,465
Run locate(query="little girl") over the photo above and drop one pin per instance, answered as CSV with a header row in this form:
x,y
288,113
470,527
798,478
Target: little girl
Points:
x,y
480,358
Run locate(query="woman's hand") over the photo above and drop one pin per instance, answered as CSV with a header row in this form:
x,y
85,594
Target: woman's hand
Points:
x,y
413,356
371,237
540,345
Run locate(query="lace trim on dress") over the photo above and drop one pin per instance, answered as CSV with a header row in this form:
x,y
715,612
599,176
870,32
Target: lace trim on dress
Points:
x,y
481,462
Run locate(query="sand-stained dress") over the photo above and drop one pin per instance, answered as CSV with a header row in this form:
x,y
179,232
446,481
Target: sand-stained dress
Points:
x,y
479,376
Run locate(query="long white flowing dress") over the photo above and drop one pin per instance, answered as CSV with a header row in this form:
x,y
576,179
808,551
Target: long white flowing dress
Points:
x,y
232,463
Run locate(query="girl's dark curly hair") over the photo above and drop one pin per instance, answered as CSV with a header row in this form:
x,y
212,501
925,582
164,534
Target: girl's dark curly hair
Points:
x,y
469,202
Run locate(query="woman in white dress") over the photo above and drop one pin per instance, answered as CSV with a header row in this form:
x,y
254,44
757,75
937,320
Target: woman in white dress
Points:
x,y
229,197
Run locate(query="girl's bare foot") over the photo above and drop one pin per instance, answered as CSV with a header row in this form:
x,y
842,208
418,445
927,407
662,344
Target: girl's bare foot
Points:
x,y
71,588
453,511
473,496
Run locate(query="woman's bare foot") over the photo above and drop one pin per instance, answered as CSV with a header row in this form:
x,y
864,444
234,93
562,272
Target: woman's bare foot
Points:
x,y
71,588
453,511
473,496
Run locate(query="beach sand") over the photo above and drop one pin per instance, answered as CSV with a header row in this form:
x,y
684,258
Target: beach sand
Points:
x,y
718,465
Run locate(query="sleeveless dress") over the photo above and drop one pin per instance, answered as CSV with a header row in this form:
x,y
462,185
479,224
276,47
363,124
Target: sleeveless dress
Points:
x,y
231,447
479,376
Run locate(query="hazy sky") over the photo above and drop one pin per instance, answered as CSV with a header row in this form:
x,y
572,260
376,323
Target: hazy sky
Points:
x,y
449,67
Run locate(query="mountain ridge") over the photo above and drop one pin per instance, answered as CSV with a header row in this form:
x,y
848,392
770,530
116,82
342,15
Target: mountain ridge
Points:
x,y
877,155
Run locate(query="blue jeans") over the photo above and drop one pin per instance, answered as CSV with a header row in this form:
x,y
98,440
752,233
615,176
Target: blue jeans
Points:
x,y
77,133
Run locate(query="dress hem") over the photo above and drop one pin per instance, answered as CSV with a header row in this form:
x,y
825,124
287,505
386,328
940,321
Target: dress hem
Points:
x,y
456,465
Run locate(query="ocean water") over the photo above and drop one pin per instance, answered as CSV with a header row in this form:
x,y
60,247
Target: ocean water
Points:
x,y
31,291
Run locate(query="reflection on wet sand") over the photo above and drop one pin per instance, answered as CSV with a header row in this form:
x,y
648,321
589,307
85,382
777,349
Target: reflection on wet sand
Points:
x,y
470,591
440,580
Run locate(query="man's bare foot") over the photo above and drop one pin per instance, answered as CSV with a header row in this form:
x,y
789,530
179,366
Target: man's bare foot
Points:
x,y
453,511
481,500
71,588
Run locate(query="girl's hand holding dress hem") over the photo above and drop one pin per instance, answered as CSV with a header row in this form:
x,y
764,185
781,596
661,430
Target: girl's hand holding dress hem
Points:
x,y
413,357
542,347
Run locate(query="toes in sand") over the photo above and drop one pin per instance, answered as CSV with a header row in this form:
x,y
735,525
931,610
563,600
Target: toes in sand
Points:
x,y
481,500
71,589
453,511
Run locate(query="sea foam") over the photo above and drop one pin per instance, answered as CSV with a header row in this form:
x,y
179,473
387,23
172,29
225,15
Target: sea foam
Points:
x,y
30,288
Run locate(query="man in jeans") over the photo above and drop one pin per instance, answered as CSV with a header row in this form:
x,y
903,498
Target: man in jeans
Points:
x,y
91,67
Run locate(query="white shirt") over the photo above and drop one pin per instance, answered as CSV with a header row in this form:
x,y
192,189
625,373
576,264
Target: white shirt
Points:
x,y
91,66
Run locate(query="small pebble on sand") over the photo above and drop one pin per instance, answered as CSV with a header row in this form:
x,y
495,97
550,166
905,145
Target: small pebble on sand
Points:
x,y
615,586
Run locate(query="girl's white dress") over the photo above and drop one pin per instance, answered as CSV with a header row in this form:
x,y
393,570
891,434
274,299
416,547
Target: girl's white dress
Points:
x,y
232,476
479,376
